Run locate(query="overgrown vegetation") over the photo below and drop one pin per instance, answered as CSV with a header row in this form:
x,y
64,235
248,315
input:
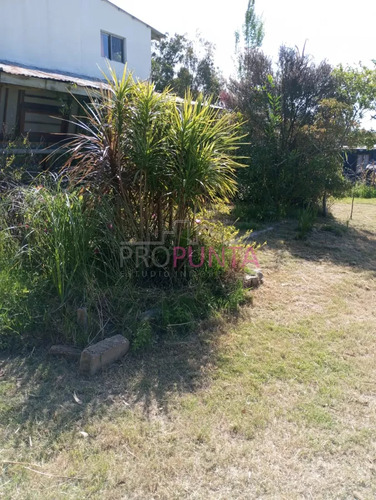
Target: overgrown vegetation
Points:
x,y
306,220
296,127
363,190
297,117
142,169
15,168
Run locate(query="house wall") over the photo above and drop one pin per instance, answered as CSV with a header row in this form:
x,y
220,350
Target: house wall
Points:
x,y
65,35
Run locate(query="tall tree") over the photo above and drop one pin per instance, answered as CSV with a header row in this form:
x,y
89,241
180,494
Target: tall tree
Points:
x,y
252,35
357,88
253,28
180,64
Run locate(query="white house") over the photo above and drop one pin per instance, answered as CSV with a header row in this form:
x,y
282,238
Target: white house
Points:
x,y
49,48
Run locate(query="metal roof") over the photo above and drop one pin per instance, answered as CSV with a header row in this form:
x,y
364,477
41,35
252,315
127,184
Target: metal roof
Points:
x,y
17,74
19,70
61,82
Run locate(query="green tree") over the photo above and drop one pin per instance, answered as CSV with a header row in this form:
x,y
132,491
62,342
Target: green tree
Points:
x,y
296,125
356,87
181,65
253,28
252,35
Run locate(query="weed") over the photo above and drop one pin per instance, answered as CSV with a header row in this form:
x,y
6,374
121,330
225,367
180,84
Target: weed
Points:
x,y
306,220
143,336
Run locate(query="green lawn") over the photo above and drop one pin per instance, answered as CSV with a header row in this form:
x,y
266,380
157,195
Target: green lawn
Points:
x,y
279,402
361,201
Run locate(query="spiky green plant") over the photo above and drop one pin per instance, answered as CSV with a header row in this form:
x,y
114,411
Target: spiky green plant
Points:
x,y
204,142
159,160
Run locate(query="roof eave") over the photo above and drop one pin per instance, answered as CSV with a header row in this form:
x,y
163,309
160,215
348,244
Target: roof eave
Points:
x,y
155,34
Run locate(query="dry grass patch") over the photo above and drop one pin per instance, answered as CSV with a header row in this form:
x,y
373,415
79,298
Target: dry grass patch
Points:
x,y
278,404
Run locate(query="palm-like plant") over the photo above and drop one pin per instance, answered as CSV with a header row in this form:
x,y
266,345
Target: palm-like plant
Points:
x,y
160,160
149,153
205,140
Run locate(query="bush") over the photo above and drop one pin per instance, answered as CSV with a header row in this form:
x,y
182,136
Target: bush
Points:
x,y
363,190
295,126
159,160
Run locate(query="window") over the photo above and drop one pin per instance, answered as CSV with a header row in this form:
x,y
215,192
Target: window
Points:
x,y
112,47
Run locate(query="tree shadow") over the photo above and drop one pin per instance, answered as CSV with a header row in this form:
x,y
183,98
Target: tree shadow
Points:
x,y
330,240
45,397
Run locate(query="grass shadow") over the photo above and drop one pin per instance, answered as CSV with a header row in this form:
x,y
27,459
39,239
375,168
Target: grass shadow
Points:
x,y
42,398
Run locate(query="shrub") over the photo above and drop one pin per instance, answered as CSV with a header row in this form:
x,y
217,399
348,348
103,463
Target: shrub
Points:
x,y
159,160
296,122
363,190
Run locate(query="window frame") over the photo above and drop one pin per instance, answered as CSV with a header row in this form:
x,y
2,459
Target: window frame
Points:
x,y
123,42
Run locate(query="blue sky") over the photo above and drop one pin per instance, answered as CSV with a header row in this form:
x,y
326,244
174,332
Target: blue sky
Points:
x,y
332,29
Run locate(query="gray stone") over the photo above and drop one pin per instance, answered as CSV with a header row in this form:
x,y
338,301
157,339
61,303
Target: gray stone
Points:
x,y
251,281
102,354
150,314
259,274
65,351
